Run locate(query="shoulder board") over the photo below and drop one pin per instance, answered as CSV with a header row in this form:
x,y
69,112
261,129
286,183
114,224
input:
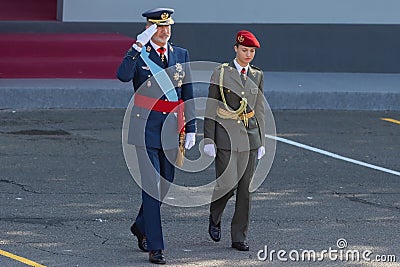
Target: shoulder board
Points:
x,y
222,65
255,67
176,46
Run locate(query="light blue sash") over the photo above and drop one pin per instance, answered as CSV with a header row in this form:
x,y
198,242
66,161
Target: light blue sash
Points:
x,y
161,77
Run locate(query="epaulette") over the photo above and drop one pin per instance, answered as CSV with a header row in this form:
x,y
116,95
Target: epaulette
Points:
x,y
222,65
254,67
174,45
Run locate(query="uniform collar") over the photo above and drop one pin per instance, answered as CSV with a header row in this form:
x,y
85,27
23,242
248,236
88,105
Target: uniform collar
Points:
x,y
238,67
155,46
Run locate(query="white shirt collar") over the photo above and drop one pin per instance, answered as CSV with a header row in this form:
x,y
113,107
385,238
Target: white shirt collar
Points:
x,y
238,67
155,46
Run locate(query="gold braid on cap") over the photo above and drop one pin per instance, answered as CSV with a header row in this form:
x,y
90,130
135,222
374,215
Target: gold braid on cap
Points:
x,y
165,20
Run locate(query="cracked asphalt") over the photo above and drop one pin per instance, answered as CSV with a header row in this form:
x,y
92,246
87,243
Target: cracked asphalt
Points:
x,y
67,198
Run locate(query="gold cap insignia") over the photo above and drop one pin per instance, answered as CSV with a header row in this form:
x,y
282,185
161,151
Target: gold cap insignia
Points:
x,y
164,16
240,38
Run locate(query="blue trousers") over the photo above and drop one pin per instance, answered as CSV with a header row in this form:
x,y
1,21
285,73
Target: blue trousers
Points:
x,y
154,166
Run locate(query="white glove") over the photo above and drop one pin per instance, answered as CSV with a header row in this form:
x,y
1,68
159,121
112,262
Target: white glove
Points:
x,y
190,140
209,149
260,152
145,37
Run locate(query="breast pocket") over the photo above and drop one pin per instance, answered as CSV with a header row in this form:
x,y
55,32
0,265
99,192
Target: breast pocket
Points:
x,y
254,90
145,75
252,97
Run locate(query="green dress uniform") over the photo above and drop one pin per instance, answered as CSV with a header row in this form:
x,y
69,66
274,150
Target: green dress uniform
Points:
x,y
235,122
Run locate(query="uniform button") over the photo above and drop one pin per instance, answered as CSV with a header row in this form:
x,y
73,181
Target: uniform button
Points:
x,y
242,93
149,75
229,91
238,121
164,113
137,115
166,100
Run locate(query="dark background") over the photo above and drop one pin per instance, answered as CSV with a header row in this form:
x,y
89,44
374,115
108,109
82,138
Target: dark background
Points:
x,y
353,48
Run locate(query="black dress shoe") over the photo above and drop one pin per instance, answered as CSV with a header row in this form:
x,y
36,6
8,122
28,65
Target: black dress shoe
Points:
x,y
242,246
142,242
156,256
214,230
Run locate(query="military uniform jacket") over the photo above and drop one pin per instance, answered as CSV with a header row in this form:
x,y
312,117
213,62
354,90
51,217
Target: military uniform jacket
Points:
x,y
153,128
232,134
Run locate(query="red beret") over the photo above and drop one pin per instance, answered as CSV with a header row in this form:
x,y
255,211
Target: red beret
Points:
x,y
246,38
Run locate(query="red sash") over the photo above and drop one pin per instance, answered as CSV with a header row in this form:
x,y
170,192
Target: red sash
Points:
x,y
159,105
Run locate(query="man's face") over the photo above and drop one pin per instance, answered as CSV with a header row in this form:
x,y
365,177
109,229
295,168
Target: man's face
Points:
x,y
244,54
161,37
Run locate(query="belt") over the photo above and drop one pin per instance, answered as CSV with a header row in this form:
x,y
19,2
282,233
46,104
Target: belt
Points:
x,y
160,105
248,115
226,114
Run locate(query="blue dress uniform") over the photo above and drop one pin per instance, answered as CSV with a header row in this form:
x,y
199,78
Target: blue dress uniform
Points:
x,y
153,132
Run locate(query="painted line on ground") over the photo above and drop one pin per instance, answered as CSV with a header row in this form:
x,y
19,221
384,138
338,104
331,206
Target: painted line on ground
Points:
x,y
333,155
391,120
20,259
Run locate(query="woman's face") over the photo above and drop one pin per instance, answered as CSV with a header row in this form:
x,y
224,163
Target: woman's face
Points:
x,y
244,54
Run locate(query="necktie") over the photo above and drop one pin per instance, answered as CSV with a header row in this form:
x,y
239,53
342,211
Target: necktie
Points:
x,y
243,75
161,50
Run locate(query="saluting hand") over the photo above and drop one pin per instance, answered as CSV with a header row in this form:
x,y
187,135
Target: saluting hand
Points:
x,y
144,37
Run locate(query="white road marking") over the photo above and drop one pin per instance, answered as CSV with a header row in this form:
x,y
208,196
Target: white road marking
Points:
x,y
333,155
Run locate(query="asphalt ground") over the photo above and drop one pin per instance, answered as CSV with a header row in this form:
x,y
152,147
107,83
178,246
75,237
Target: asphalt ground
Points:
x,y
67,197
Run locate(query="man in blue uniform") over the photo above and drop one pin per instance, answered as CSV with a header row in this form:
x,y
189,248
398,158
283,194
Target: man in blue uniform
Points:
x,y
153,129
